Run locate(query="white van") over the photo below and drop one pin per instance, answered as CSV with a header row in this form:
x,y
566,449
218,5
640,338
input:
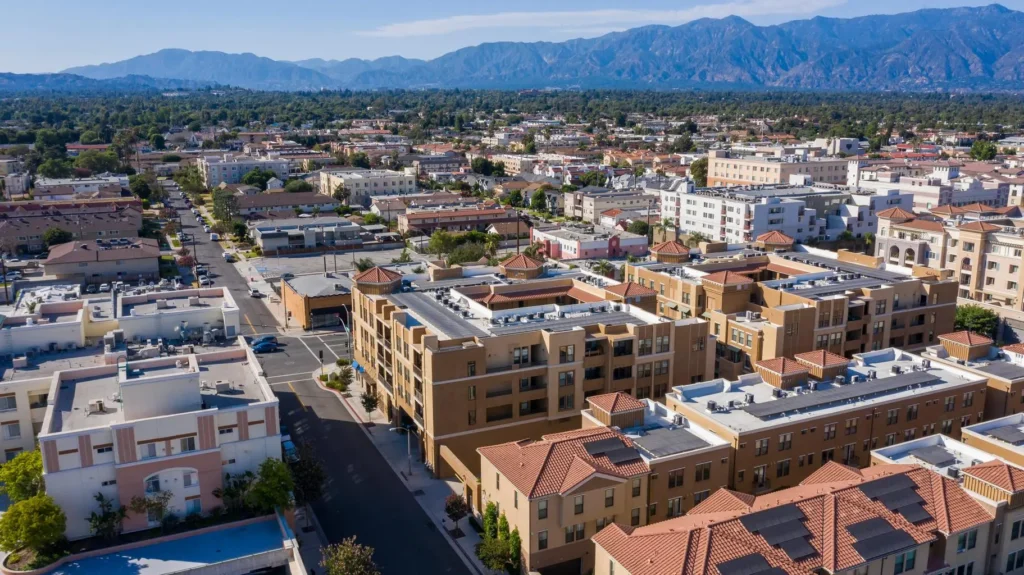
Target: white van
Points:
x,y
214,237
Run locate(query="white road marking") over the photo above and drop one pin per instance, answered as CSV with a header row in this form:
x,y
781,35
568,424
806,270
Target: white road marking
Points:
x,y
305,374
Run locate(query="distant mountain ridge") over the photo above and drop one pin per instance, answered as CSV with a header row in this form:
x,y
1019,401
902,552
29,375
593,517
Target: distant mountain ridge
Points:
x,y
73,84
949,49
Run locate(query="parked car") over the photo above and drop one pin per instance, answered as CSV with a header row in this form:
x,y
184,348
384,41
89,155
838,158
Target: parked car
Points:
x,y
228,257
11,276
265,347
287,275
264,339
104,287
205,281
291,453
91,288
206,229
253,292
214,237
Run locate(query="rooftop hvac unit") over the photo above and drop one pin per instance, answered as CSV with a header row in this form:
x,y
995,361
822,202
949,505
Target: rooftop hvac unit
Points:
x,y
840,379
749,398
954,472
872,374
222,386
96,406
712,406
895,370
813,386
926,363
677,419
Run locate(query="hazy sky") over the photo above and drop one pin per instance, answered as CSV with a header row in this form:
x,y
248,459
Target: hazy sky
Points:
x,y
50,35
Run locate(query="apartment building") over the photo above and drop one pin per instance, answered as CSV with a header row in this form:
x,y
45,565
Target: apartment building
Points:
x,y
424,164
1002,367
561,490
932,184
425,221
229,169
588,203
795,415
885,519
569,242
9,165
70,188
306,233
390,207
516,164
102,261
764,306
362,184
16,184
24,233
727,169
307,202
173,424
474,361
984,255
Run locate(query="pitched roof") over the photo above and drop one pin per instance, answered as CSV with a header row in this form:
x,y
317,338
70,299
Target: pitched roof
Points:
x,y
967,338
560,462
980,227
631,289
896,213
284,199
727,278
377,275
616,402
925,225
774,237
670,247
81,252
1014,348
782,365
821,358
999,473
521,262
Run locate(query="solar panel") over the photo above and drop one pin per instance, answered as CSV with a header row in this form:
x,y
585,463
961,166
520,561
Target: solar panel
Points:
x,y
897,499
798,548
622,455
887,485
746,565
785,532
762,520
884,544
840,394
1008,433
663,442
602,445
870,528
935,455
914,513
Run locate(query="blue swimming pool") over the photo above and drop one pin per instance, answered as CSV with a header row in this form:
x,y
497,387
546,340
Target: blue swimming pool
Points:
x,y
172,556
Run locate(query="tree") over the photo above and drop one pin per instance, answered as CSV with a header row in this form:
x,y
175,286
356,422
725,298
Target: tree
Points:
x,y
22,477
89,137
482,166
639,227
54,168
157,141
515,550
869,239
539,201
369,401
455,507
403,258
139,184
977,319
492,243
349,558
593,178
297,186
236,489
664,226
467,252
56,236
699,172
239,230
37,523
503,532
515,199
345,376
186,261
605,268
153,505
359,160
695,238
371,219
309,474
272,487
364,264
225,205
491,521
441,244
494,554
341,194
258,177
499,170
984,150
170,158
532,250
96,161
107,522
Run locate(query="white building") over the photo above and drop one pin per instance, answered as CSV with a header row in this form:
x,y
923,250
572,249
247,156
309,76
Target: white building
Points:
x,y
362,184
229,169
16,184
932,184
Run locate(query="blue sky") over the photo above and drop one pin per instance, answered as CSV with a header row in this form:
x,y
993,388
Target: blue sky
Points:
x,y
50,35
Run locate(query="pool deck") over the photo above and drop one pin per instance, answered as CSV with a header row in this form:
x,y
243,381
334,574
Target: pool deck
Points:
x,y
186,553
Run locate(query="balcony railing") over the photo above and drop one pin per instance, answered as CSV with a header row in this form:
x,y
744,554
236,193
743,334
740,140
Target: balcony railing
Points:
x,y
499,392
852,461
418,394
762,484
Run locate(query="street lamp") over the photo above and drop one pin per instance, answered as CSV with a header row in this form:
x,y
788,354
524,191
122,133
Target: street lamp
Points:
x,y
408,445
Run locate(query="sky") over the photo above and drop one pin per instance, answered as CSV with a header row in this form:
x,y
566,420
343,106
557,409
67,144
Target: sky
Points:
x,y
43,36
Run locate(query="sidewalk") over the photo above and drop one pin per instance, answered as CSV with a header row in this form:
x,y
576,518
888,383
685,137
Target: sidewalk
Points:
x,y
311,541
429,492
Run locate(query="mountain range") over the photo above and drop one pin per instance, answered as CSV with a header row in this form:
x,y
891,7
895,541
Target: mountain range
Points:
x,y
978,48
73,83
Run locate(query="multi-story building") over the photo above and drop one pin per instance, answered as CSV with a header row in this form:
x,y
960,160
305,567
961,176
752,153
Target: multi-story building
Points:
x,y
475,361
425,221
9,165
72,188
254,205
390,207
424,164
363,184
795,415
24,233
16,184
726,170
631,464
103,261
588,203
932,184
229,169
516,164
576,242
173,425
1003,367
306,233
899,519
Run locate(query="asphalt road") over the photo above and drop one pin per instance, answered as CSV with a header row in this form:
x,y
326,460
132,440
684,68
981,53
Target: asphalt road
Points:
x,y
363,496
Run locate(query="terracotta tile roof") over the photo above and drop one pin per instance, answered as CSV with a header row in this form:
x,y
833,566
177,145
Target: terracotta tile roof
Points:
x,y
821,358
896,214
616,402
521,262
612,212
670,247
377,275
1014,348
774,237
782,365
727,278
980,227
559,462
724,500
524,295
926,225
583,295
631,289
966,338
999,473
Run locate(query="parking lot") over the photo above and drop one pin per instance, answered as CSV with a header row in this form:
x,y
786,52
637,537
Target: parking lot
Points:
x,y
273,267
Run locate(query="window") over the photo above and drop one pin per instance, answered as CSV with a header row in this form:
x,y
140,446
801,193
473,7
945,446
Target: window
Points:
x,y
189,479
947,426
909,434
623,347
521,356
624,372
969,399
472,392
893,416
951,403
148,451
497,481
609,497
11,430
515,499
661,367
470,369
188,444
700,496
634,517
830,431
645,346
565,402
675,507
577,504
636,487
8,403
566,379
905,562
471,417
912,412
827,455
967,540
675,478
542,509
153,485
661,343
782,468
567,354
760,447
851,426
37,400
225,430
1016,530
703,471
108,448
542,540
574,533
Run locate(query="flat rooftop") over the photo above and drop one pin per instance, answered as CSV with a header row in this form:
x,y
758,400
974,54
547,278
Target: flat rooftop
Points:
x,y
320,285
771,406
1009,429
588,236
939,453
662,435
44,365
175,301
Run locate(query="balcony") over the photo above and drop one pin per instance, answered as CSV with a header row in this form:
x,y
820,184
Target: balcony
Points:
x,y
535,383
499,391
762,484
853,460
898,325
417,370
418,394
418,416
515,366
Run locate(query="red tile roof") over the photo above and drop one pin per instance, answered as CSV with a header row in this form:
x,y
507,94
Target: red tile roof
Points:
x,y
926,225
583,295
1014,348
524,295
896,214
782,366
980,227
521,262
774,237
727,278
967,338
631,289
558,463
616,402
670,247
999,473
377,275
821,358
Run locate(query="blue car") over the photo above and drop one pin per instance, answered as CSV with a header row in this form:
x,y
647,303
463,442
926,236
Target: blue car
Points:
x,y
291,453
264,339
265,347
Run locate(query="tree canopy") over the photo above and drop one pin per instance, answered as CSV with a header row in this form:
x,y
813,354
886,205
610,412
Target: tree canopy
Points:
x,y
258,177
977,319
296,185
37,522
349,558
22,477
699,172
56,236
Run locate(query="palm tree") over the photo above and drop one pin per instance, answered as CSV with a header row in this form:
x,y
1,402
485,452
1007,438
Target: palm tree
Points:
x,y
532,250
665,225
695,239
492,244
605,268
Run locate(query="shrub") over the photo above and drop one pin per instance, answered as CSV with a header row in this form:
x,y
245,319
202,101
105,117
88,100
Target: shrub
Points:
x,y
13,558
342,362
322,377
